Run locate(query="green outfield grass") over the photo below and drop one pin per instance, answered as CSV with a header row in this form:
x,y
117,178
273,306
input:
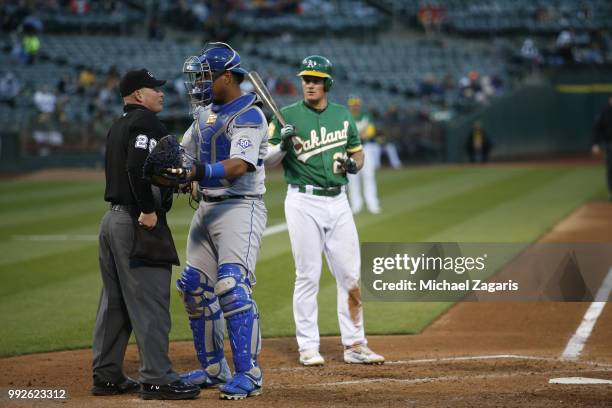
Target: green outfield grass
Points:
x,y
49,289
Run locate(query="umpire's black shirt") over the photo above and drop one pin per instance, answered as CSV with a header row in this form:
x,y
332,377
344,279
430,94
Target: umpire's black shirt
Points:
x,y
128,143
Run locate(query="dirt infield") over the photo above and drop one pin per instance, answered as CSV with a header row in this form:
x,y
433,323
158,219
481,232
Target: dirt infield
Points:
x,y
477,354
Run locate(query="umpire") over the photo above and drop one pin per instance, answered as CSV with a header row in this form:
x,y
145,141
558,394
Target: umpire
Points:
x,y
602,140
136,286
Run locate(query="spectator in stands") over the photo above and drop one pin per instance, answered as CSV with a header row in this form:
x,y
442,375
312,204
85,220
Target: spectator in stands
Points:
x,y
425,18
10,86
498,84
154,30
33,22
429,87
600,41
87,78
31,44
267,9
432,15
284,87
80,6
585,12
62,85
546,13
478,144
530,53
45,133
439,13
113,75
66,86
487,89
112,7
200,11
565,45
448,83
471,89
107,97
44,100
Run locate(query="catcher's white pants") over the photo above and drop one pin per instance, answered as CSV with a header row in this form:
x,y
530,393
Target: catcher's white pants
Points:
x,y
324,225
367,177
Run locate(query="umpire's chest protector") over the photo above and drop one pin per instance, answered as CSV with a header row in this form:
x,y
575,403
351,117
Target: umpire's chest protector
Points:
x,y
216,141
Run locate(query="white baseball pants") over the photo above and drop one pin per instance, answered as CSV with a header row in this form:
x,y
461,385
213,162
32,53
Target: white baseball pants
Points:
x,y
324,225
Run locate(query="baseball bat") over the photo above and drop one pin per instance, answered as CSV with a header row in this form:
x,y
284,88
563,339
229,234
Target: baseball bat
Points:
x,y
265,96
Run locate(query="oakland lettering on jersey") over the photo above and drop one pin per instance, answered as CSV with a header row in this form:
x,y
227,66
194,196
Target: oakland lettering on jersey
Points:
x,y
305,149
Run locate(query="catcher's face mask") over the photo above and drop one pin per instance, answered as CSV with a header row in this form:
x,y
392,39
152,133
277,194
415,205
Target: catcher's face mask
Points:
x,y
202,71
199,81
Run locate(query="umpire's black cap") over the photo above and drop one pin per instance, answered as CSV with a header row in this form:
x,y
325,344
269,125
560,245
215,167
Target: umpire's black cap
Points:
x,y
140,78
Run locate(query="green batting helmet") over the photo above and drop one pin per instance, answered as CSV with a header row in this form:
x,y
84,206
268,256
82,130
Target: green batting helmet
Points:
x,y
318,66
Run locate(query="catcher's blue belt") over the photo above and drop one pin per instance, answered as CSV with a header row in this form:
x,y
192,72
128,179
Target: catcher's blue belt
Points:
x,y
210,199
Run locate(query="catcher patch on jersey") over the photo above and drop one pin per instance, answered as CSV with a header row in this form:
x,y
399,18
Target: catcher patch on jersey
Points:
x,y
244,143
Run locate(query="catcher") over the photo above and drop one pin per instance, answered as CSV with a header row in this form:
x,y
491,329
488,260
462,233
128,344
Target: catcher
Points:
x,y
225,147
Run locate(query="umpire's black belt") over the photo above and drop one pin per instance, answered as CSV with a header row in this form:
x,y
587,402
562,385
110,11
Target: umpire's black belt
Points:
x,y
210,199
319,191
122,208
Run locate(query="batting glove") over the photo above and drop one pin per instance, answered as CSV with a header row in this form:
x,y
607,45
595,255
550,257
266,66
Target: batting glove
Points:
x,y
348,164
286,133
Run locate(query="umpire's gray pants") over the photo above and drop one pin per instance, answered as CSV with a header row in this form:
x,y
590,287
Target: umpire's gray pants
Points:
x,y
133,297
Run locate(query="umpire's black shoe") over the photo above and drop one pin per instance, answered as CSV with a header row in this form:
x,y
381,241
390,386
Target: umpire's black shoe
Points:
x,y
177,390
108,388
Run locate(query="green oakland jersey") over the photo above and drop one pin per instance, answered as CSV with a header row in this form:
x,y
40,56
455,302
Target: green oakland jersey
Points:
x,y
365,126
322,137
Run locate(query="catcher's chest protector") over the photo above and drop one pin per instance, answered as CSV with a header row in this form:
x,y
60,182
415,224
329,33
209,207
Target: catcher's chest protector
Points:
x,y
215,142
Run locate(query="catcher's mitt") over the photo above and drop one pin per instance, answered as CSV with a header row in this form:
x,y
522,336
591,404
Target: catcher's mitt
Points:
x,y
163,165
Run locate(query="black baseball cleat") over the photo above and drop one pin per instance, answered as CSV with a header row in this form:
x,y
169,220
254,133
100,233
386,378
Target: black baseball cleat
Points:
x,y
178,390
108,388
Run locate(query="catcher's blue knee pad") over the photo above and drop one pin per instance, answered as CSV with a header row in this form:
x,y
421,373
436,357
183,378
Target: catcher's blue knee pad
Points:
x,y
233,289
197,294
204,312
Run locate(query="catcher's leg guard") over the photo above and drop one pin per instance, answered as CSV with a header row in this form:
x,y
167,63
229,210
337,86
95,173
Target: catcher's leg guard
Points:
x,y
206,324
234,291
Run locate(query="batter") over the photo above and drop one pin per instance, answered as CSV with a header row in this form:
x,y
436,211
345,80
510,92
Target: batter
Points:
x,y
318,147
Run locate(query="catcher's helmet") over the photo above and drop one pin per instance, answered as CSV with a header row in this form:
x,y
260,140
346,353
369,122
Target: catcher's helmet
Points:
x,y
202,70
318,66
